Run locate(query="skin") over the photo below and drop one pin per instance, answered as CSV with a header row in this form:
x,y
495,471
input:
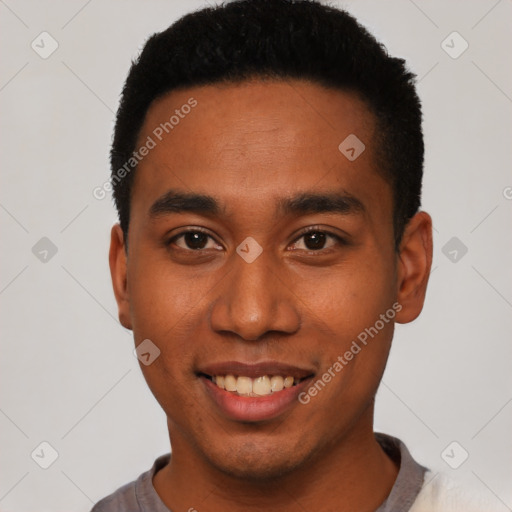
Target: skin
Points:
x,y
249,145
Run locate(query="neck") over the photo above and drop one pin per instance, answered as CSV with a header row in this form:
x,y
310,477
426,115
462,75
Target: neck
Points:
x,y
355,474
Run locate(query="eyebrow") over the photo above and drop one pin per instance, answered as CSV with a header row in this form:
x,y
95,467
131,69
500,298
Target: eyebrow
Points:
x,y
179,202
341,203
301,204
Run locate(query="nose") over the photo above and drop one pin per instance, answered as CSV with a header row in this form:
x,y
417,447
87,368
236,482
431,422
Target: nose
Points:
x,y
254,300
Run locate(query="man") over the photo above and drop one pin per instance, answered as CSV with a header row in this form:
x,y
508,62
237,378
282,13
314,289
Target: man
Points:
x,y
267,165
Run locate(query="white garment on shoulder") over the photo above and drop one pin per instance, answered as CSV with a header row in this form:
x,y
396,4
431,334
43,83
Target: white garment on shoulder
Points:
x,y
442,494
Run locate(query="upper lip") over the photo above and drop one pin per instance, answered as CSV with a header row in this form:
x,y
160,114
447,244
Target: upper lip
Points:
x,y
254,370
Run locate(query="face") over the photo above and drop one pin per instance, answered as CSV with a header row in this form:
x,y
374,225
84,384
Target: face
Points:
x,y
258,253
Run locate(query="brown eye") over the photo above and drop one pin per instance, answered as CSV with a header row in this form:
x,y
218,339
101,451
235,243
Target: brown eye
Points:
x,y
194,241
315,240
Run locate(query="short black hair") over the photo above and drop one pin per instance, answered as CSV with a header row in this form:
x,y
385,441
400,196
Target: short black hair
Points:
x,y
282,39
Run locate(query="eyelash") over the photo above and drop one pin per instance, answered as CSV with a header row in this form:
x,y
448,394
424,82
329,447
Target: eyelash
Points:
x,y
311,229
183,233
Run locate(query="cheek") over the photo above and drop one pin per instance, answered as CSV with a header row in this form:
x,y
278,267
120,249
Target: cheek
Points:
x,y
347,298
170,390
163,297
164,309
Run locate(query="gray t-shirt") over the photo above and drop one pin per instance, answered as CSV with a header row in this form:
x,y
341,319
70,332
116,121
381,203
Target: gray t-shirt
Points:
x,y
141,496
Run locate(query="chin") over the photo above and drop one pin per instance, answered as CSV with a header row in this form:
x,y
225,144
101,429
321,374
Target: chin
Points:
x,y
256,462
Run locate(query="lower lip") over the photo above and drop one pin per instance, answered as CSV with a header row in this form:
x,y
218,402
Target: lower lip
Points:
x,y
253,409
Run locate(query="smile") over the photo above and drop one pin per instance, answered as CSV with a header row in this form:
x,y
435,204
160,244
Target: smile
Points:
x,y
263,385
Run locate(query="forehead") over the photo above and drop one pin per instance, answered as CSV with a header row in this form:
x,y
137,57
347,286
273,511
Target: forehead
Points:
x,y
243,142
288,116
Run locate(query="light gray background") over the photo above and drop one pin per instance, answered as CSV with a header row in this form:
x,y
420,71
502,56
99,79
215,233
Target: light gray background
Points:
x,y
68,375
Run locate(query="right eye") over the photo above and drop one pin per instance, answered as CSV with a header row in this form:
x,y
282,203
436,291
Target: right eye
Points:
x,y
194,240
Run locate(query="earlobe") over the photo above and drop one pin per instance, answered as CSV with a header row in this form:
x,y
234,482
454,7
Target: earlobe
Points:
x,y
414,263
118,272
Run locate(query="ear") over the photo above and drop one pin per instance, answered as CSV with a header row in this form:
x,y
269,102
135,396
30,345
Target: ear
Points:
x,y
414,263
118,271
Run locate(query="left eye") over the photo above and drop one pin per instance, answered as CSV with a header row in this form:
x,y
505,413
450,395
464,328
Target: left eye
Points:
x,y
315,241
194,240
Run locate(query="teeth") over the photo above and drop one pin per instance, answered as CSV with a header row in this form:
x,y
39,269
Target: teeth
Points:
x,y
288,382
260,386
276,383
230,383
244,385
219,380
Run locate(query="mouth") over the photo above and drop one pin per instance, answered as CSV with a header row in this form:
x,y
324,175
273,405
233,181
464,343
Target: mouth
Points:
x,y
243,385
254,392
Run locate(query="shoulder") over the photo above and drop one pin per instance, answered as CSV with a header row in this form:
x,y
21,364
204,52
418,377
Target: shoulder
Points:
x,y
136,496
124,498
440,493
